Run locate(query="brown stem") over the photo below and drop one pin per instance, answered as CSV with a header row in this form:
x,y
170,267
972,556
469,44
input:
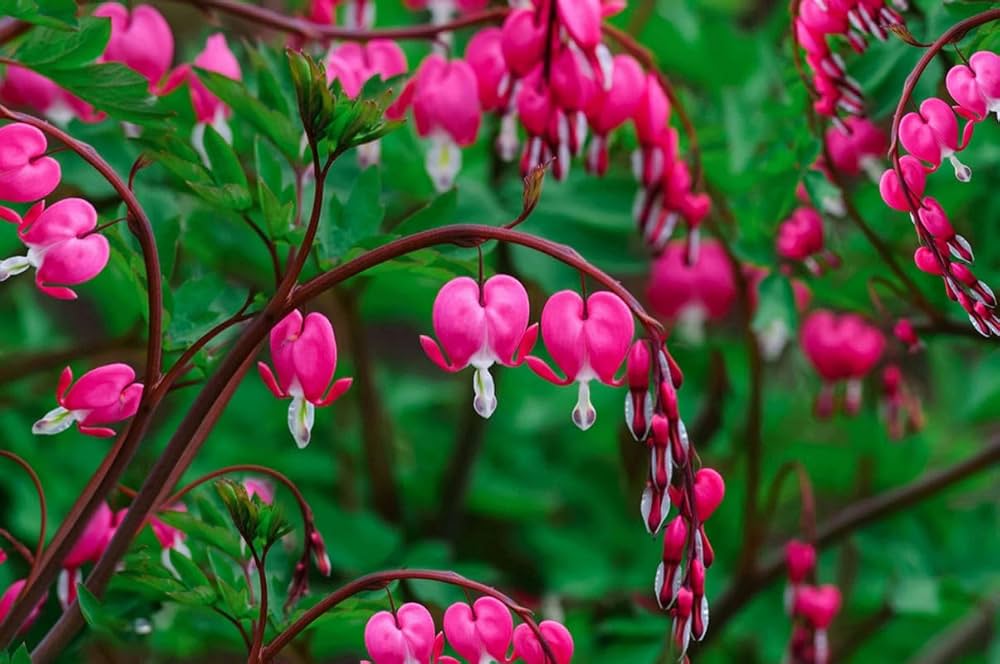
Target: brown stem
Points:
x,y
11,28
271,250
969,635
15,366
849,519
236,623
316,32
20,548
261,627
43,512
381,580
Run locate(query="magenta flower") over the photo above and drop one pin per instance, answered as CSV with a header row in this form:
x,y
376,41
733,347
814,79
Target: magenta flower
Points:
x,y
404,638
801,235
10,596
88,549
819,605
481,327
354,64
262,488
800,559
24,87
485,55
216,57
841,348
587,341
932,135
855,145
523,41
26,173
304,352
692,293
62,246
104,395
608,110
140,39
976,86
481,632
528,648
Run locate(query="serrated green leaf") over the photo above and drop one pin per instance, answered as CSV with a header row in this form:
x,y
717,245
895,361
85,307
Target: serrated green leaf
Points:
x,y
112,88
272,124
191,575
48,49
360,218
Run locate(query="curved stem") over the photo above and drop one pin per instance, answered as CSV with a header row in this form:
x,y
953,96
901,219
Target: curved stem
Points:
x,y
382,579
261,626
271,250
43,511
807,509
316,32
20,548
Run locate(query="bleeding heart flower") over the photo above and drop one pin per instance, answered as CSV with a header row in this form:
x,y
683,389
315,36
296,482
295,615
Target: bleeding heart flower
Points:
x,y
404,638
704,289
607,110
855,145
304,352
104,395
709,490
480,327
587,340
932,135
485,55
87,549
528,648
7,601
976,86
891,189
480,633
801,235
26,174
215,57
354,64
62,246
819,605
522,41
141,39
840,347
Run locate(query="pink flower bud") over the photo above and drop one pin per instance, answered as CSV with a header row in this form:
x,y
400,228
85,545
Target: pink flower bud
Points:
x,y
141,39
892,192
403,638
638,404
706,286
26,174
801,235
3,559
262,488
927,262
976,86
320,557
587,341
709,489
800,559
681,613
675,540
523,41
652,112
904,332
528,648
582,20
818,604
103,395
854,144
481,631
480,327
304,352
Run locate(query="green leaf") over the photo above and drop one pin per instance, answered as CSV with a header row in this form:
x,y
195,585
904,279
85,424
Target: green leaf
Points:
x,y
199,305
439,211
96,615
360,218
21,655
48,49
226,168
218,537
278,217
191,575
228,196
113,88
52,13
272,124
776,303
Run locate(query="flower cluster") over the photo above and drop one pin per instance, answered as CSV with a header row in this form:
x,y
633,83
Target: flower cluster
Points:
x,y
63,246
811,607
482,632
842,348
854,20
930,136
482,324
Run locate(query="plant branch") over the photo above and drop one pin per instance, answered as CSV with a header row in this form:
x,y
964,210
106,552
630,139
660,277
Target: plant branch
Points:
x,y
15,366
316,32
261,627
43,512
849,519
379,580
271,250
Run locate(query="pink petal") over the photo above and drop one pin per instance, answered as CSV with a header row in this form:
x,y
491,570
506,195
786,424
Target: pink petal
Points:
x,y
609,332
25,174
314,355
99,387
66,219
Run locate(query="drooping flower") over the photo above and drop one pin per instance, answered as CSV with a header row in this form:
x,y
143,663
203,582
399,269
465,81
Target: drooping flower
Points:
x,y
529,649
692,293
104,395
800,563
587,341
87,549
915,179
976,86
818,606
304,353
841,347
62,247
609,109
10,596
141,39
404,638
931,135
857,145
481,632
26,173
445,100
480,327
